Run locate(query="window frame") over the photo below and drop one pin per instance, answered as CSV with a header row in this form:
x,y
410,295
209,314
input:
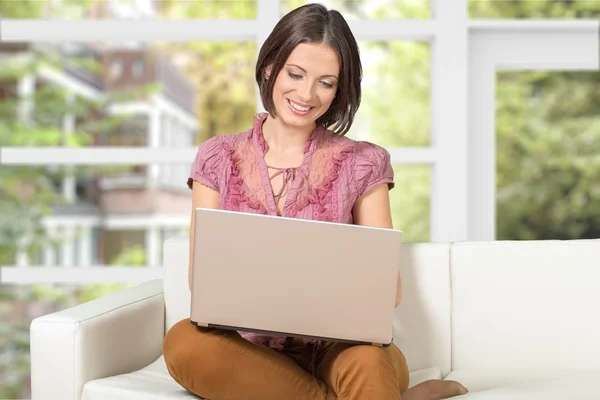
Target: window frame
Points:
x,y
569,45
464,57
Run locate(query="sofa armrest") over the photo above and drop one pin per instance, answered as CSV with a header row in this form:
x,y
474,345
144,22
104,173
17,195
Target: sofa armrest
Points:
x,y
108,336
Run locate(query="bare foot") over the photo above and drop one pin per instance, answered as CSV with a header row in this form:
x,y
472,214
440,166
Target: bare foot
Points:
x,y
434,389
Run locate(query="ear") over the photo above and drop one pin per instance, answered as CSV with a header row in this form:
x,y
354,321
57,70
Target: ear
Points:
x,y
268,72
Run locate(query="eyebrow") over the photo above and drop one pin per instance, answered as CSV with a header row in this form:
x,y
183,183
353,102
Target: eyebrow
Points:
x,y
323,76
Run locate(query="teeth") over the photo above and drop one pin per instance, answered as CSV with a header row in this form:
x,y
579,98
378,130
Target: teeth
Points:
x,y
297,107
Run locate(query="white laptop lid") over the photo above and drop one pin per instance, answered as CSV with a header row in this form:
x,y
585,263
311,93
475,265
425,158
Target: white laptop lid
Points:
x,y
294,277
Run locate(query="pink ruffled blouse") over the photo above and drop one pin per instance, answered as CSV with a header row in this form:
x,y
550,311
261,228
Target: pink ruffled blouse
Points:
x,y
336,171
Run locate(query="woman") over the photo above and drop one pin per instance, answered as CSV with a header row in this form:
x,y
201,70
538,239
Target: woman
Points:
x,y
295,162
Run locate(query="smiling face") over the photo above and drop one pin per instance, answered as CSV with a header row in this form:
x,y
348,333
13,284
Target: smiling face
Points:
x,y
306,85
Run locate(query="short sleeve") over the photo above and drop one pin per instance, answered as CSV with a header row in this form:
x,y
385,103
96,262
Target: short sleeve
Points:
x,y
207,164
372,167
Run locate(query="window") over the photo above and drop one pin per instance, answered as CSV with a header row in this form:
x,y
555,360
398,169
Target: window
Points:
x,y
137,69
520,70
458,92
116,69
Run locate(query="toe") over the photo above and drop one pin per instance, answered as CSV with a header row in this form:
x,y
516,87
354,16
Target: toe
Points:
x,y
460,389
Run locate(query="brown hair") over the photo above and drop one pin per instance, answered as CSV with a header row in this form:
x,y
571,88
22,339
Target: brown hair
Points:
x,y
313,23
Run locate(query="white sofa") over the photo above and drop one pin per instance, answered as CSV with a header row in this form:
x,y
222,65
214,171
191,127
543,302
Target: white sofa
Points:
x,y
511,320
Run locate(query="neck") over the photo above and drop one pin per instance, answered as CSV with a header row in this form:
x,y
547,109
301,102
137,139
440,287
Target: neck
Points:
x,y
282,138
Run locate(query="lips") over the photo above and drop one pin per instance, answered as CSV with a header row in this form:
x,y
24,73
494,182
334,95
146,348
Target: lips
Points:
x,y
299,109
297,104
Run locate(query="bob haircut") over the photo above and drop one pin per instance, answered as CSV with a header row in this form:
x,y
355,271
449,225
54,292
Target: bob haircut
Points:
x,y
313,23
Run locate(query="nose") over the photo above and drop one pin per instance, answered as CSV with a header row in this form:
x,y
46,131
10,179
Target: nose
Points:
x,y
305,91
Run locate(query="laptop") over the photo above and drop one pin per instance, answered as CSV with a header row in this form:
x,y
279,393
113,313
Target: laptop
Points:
x,y
291,277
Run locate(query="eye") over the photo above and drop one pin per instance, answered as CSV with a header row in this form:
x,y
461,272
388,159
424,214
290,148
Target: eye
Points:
x,y
327,84
294,76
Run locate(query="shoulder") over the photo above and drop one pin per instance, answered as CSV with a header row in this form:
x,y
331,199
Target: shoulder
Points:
x,y
212,157
367,153
216,152
217,147
364,153
368,163
216,142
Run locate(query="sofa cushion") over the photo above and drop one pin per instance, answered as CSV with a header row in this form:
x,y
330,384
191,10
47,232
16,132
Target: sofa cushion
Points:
x,y
422,320
154,383
175,282
527,305
494,384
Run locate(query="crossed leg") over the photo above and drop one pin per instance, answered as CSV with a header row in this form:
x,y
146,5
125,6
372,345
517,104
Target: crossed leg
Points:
x,y
369,372
221,365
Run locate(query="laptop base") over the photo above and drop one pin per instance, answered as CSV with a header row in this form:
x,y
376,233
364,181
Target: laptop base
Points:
x,y
287,334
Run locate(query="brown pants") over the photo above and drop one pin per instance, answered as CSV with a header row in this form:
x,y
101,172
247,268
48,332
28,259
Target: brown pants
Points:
x,y
221,365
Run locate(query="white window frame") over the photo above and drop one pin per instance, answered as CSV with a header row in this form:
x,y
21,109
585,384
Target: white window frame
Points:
x,y
512,46
464,57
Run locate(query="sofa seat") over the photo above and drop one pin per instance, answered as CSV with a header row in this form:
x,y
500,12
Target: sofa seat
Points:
x,y
514,385
154,383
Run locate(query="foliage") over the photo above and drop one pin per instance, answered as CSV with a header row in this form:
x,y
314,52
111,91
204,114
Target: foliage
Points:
x,y
222,72
544,9
208,9
408,89
548,163
133,256
20,9
385,125
27,9
548,138
29,193
410,201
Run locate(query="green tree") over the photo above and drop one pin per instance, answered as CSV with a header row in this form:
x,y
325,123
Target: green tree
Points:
x,y
397,106
222,72
222,75
548,138
548,130
26,194
133,256
395,111
29,193
548,168
539,9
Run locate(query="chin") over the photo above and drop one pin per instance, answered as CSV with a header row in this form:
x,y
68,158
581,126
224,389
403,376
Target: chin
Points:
x,y
298,121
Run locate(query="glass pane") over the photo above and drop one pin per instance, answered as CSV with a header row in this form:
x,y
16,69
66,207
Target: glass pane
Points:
x,y
130,9
410,201
148,94
91,215
539,9
100,215
548,141
19,305
395,108
369,9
